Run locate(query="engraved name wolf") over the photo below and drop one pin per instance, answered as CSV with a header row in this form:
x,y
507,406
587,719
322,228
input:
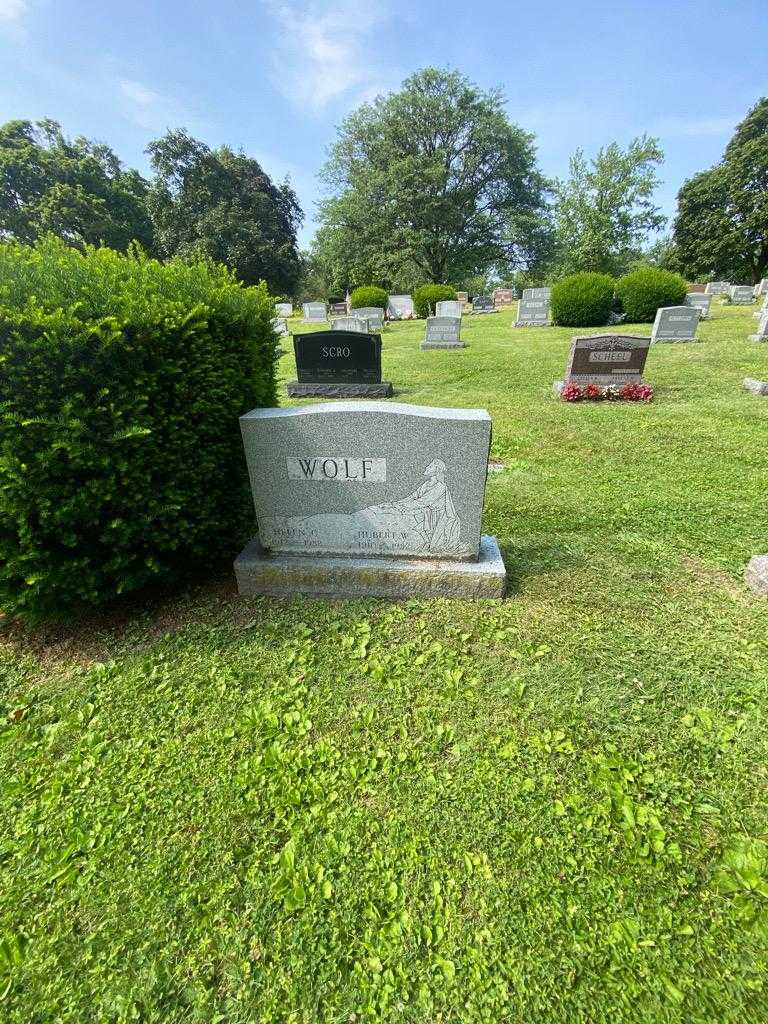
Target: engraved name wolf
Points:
x,y
320,467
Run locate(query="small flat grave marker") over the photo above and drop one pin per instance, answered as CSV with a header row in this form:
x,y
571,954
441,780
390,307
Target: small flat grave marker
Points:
x,y
443,332
360,499
675,323
338,364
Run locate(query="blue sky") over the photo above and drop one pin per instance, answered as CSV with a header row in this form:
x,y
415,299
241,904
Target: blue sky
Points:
x,y
275,78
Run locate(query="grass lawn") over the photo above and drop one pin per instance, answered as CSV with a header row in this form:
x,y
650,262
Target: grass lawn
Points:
x,y
550,808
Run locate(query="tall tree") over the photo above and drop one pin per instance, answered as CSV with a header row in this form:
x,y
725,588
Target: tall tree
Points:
x,y
75,188
721,227
221,205
431,183
604,211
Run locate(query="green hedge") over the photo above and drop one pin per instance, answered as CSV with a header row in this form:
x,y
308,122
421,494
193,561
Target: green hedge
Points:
x,y
643,291
583,300
426,297
368,295
121,381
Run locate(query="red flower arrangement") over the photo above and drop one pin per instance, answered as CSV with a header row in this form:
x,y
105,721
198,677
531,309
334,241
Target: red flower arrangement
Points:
x,y
595,393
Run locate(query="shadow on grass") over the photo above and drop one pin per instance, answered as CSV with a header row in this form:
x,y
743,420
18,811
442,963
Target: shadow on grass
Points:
x,y
523,560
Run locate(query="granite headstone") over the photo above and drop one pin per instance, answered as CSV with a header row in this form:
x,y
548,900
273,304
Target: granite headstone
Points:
x,y
338,364
338,309
443,332
532,312
675,323
463,297
284,308
538,293
717,288
606,359
400,307
355,499
448,307
483,304
503,296
742,295
280,326
762,328
700,301
373,314
315,312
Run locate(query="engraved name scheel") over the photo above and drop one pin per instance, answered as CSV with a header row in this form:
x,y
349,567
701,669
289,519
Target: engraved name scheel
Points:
x,y
320,467
610,357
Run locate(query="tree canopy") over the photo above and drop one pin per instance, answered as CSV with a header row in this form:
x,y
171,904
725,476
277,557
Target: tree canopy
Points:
x,y
721,227
221,205
431,183
74,188
604,210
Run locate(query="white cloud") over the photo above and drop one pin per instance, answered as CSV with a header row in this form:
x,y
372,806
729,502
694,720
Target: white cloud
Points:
x,y
149,109
326,52
12,11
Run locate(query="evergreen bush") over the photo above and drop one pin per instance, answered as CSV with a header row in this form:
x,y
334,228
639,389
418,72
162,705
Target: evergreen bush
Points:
x,y
121,382
644,291
368,295
583,300
427,296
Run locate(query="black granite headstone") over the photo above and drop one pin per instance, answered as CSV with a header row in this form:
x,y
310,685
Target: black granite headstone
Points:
x,y
338,364
483,304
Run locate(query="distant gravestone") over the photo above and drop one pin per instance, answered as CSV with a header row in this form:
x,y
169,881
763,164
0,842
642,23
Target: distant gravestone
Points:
x,y
696,289
350,323
373,314
284,309
762,328
503,296
443,332
360,499
742,295
763,308
700,301
315,312
538,293
675,323
762,287
448,307
483,304
463,297
717,288
280,326
338,364
338,309
400,307
532,311
605,359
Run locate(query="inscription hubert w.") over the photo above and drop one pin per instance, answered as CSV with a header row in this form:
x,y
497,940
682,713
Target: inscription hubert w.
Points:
x,y
319,467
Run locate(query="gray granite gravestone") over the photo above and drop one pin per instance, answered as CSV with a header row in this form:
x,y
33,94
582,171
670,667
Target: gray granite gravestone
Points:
x,y
700,301
448,307
483,304
338,364
605,359
538,293
400,307
762,287
373,314
315,312
338,309
443,332
762,329
756,574
757,387
717,288
284,309
350,323
675,323
369,499
741,295
503,296
280,326
532,312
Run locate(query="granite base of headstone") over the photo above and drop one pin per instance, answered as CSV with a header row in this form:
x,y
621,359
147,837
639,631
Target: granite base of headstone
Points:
x,y
756,574
675,324
605,360
338,364
757,387
443,332
369,500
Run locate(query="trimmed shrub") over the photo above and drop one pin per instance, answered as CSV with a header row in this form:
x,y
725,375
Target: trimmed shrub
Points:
x,y
368,295
583,300
425,298
121,381
643,291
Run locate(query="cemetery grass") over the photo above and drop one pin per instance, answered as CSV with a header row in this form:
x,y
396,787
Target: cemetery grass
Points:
x,y
548,808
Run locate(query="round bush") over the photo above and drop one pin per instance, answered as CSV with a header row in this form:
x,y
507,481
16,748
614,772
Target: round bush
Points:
x,y
643,291
368,295
583,300
121,462
425,298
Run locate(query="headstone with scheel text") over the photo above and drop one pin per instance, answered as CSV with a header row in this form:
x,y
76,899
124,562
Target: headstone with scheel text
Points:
x,y
675,323
606,359
360,499
338,364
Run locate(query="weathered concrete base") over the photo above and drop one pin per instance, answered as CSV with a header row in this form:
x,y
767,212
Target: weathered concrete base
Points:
x,y
297,390
525,323
443,344
756,574
282,575
757,387
675,341
758,337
